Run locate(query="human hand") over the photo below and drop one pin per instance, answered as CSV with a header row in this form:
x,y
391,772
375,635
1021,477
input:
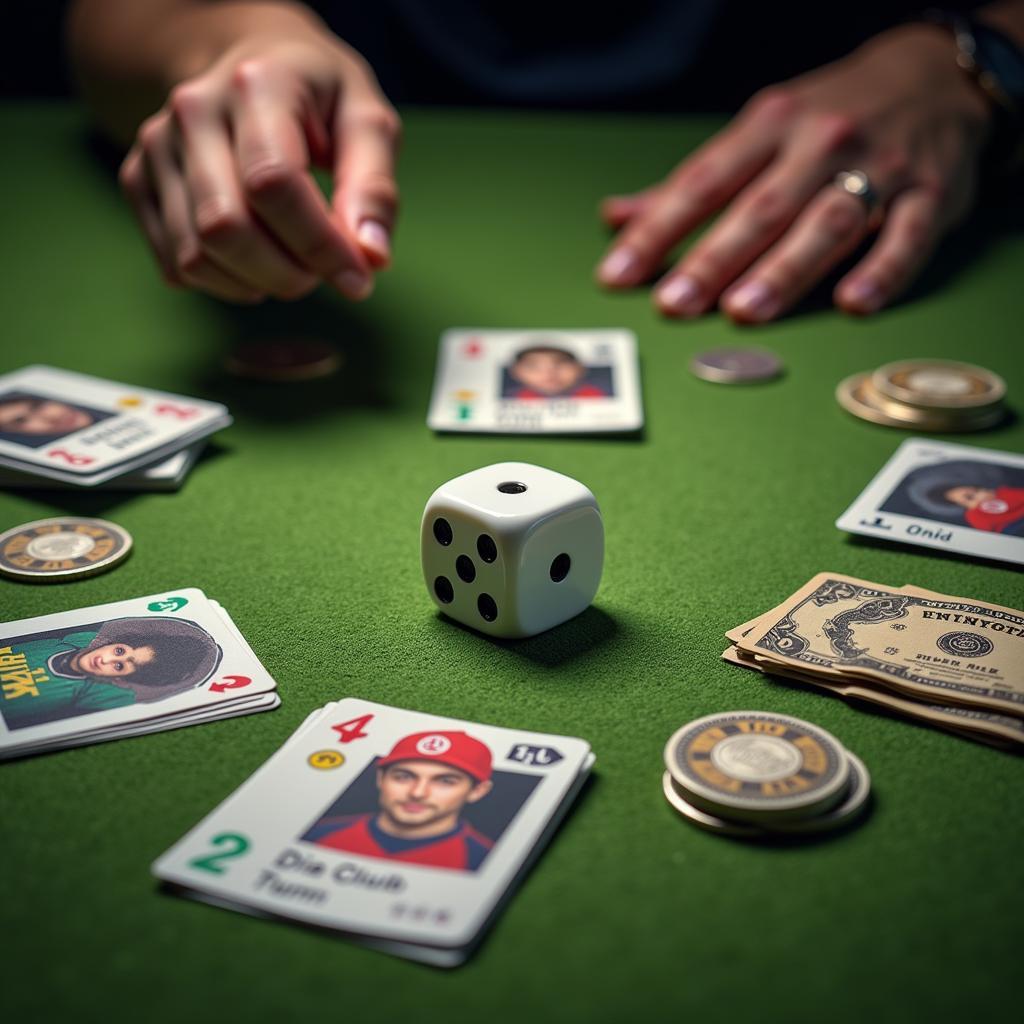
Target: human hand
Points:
x,y
220,180
898,109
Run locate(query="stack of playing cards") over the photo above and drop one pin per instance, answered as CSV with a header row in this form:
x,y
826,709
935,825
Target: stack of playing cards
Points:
x,y
124,669
59,428
543,382
401,830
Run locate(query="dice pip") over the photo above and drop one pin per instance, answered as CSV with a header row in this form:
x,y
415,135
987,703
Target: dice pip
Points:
x,y
512,549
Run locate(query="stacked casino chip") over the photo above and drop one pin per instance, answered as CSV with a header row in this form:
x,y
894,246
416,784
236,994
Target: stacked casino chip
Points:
x,y
939,395
757,774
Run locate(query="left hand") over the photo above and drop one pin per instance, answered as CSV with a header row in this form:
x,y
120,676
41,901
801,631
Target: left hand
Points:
x,y
898,109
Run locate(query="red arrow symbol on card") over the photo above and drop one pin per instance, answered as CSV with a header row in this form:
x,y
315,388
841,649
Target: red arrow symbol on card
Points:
x,y
236,682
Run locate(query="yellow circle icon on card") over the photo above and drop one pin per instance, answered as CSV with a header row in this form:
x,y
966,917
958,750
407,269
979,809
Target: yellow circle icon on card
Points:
x,y
129,402
326,759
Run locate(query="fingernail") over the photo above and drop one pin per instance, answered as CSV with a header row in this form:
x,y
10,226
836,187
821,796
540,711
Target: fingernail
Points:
x,y
375,236
864,294
678,294
353,284
754,299
618,267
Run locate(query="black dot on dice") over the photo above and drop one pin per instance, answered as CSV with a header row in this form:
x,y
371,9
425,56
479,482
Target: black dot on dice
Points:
x,y
560,566
443,531
486,548
465,568
511,487
444,590
487,608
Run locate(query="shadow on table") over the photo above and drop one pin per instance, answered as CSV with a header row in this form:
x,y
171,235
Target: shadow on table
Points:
x,y
97,502
362,381
856,540
580,637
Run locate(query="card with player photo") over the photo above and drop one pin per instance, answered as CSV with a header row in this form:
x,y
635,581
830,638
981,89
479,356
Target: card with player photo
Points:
x,y
402,829
953,497
124,668
83,430
547,382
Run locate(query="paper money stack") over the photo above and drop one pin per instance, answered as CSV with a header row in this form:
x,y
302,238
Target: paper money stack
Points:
x,y
952,662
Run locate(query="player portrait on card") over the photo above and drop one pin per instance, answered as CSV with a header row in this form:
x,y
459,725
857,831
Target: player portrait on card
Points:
x,y
383,822
85,430
114,666
34,420
435,800
56,674
964,499
537,381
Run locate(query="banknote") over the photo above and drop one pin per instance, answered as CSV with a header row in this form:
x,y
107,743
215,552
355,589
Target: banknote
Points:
x,y
972,723
949,650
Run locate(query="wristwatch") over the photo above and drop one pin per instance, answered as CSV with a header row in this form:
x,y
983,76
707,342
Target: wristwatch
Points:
x,y
996,63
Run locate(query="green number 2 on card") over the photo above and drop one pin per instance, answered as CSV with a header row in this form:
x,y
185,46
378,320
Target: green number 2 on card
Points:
x,y
234,846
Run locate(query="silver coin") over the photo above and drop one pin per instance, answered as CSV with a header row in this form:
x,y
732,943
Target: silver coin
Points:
x,y
757,766
66,547
736,365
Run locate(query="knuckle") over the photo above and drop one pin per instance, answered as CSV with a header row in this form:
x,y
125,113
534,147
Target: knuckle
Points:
x,y
186,99
189,261
268,179
773,103
379,118
840,219
217,221
382,189
248,72
770,210
703,183
151,133
832,132
894,166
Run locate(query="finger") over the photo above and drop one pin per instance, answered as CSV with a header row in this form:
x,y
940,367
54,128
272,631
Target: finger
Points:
x,y
191,264
758,218
912,228
829,229
225,226
273,164
368,134
699,187
616,210
135,186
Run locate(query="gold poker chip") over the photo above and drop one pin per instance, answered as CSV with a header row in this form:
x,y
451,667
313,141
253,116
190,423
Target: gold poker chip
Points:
x,y
937,384
67,547
756,766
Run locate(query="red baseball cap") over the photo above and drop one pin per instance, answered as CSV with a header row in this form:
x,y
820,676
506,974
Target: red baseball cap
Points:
x,y
457,749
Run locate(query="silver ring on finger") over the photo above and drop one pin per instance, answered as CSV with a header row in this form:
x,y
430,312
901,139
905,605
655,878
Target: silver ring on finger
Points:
x,y
856,183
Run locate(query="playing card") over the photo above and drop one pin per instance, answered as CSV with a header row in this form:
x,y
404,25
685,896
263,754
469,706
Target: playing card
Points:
x,y
548,382
165,475
402,828
953,497
137,665
84,430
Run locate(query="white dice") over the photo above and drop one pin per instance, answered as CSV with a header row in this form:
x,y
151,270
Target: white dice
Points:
x,y
512,549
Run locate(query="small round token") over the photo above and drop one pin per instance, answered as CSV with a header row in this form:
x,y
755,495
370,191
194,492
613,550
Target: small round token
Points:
x,y
939,384
736,365
283,360
757,766
67,547
857,395
708,822
857,791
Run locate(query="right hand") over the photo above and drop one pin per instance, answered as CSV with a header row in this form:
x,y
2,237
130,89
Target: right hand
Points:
x,y
220,181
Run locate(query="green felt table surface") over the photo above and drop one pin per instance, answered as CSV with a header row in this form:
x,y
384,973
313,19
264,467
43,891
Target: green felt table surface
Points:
x,y
304,523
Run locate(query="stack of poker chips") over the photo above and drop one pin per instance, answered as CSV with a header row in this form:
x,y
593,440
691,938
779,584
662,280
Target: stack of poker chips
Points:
x,y
939,395
756,775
